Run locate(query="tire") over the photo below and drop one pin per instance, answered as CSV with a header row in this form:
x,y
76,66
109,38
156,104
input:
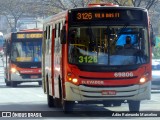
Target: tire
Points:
x,y
58,101
107,104
68,106
13,84
50,99
40,83
8,83
117,104
134,106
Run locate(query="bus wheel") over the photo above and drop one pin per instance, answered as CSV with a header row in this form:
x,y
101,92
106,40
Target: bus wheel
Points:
x,y
40,83
68,106
7,83
117,103
107,104
13,84
134,106
58,101
50,99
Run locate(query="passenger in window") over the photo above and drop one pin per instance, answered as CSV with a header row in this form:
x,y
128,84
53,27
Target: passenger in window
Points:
x,y
128,43
74,54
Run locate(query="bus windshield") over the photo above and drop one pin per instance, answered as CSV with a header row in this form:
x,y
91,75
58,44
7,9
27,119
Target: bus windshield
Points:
x,y
108,45
26,51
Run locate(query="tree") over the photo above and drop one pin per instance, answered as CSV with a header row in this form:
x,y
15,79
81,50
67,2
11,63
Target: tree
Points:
x,y
16,9
12,10
66,4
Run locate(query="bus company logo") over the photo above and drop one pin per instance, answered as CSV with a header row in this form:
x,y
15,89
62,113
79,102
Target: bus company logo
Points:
x,y
123,74
6,114
92,82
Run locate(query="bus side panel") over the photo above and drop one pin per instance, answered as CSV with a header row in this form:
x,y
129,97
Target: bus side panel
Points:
x,y
56,62
63,69
52,61
7,61
43,63
64,65
49,63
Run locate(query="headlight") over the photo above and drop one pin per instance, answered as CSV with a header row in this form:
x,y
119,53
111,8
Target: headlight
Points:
x,y
13,70
144,78
72,78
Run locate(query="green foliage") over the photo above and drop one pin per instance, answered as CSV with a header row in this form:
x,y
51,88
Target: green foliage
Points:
x,y
156,52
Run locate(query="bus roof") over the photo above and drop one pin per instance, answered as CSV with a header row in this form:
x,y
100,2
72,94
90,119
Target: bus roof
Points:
x,y
109,7
55,16
62,14
9,35
30,30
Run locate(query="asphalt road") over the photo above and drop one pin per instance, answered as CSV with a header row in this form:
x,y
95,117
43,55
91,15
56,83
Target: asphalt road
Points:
x,y
28,98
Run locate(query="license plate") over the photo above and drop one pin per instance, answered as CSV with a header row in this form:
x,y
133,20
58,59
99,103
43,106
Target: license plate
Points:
x,y
108,92
34,76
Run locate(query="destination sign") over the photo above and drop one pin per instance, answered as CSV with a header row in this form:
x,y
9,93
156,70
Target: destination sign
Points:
x,y
105,14
29,35
97,15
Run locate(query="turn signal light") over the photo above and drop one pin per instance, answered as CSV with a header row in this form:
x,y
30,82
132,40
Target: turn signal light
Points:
x,y
72,78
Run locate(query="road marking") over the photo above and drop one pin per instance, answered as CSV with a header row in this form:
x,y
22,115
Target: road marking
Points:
x,y
42,96
155,91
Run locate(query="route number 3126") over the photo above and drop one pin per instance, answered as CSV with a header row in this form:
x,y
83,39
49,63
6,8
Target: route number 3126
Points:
x,y
87,59
84,16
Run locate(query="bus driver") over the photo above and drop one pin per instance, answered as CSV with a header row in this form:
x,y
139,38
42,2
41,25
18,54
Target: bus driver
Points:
x,y
128,43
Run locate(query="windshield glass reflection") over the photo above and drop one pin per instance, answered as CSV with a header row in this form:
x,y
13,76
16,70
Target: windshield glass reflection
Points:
x,y
26,52
113,45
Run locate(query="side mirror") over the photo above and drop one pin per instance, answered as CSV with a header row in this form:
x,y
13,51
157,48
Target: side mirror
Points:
x,y
63,35
153,44
152,36
152,39
8,49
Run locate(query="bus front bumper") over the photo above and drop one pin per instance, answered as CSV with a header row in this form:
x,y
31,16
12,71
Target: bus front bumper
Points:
x,y
85,93
19,78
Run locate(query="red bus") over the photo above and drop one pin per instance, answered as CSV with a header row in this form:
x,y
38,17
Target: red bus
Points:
x,y
23,51
85,58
